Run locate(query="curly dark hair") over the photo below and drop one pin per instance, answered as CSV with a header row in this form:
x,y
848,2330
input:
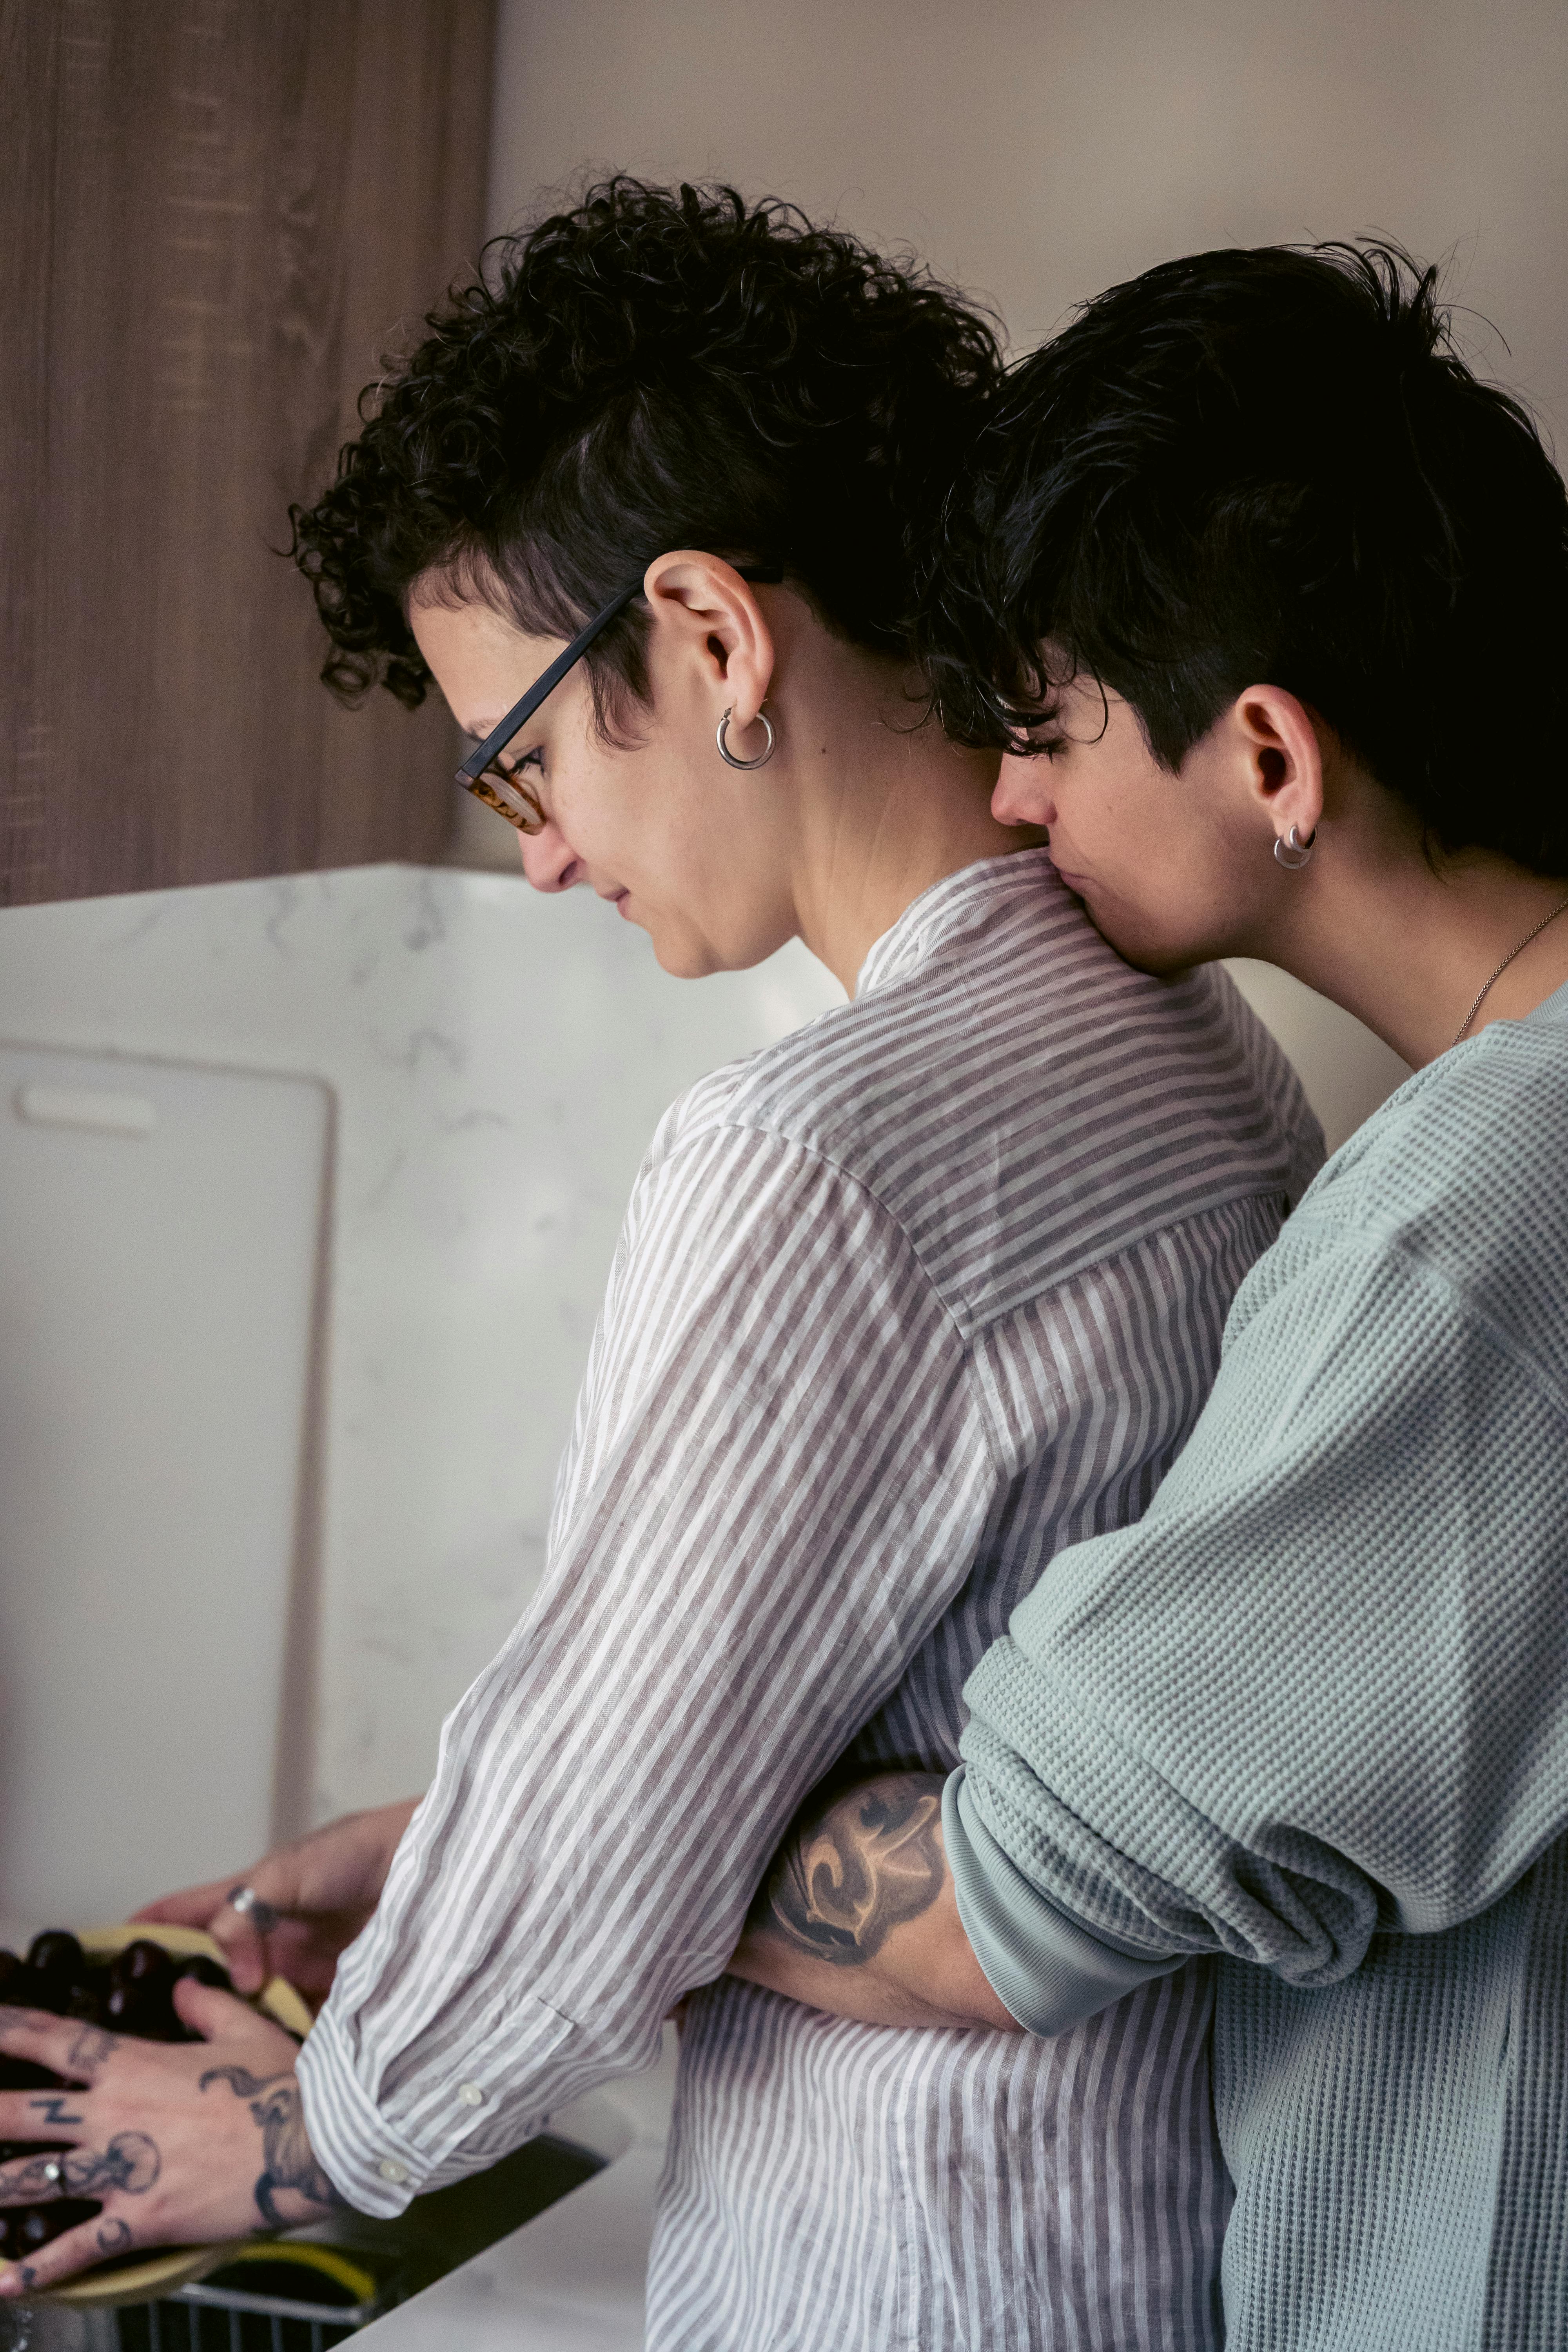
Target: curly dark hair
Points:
x,y
1273,465
653,368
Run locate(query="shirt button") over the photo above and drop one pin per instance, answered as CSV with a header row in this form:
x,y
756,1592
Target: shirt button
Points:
x,y
390,2169
470,2095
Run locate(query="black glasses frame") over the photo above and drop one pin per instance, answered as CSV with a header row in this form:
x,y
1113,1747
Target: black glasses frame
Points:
x,y
493,786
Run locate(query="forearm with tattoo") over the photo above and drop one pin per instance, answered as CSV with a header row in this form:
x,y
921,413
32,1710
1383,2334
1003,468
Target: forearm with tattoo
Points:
x,y
859,1915
852,1871
288,2159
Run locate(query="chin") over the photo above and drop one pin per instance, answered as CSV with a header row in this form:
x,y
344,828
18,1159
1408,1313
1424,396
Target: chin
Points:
x,y
685,958
690,954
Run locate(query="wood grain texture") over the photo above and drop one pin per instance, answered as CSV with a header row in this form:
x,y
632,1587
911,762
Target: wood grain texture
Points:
x,y
220,215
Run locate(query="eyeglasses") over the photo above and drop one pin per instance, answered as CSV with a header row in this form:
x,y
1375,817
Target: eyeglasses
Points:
x,y
482,772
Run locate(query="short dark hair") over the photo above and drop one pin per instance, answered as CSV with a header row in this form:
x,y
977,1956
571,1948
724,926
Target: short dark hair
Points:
x,y
653,368
1273,466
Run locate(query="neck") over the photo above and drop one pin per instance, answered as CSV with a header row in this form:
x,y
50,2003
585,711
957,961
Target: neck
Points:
x,y
893,808
1406,948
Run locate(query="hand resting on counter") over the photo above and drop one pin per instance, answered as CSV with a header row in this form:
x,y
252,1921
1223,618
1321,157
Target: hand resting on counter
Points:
x,y
858,1915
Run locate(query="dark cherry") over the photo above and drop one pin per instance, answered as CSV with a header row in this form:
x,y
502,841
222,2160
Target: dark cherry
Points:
x,y
56,1953
40,2223
144,2011
21,2075
139,1962
122,2009
58,1974
205,1971
143,1974
85,2000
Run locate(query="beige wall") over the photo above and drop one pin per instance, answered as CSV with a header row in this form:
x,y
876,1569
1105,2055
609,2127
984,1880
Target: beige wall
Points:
x,y
1038,153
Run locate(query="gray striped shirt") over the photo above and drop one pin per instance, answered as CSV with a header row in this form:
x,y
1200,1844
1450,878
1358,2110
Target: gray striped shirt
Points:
x,y
902,1307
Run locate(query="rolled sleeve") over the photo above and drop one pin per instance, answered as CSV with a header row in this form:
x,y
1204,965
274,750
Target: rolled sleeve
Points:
x,y
1043,1965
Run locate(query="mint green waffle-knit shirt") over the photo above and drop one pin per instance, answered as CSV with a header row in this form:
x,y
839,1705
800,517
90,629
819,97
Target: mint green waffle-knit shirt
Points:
x,y
1311,1713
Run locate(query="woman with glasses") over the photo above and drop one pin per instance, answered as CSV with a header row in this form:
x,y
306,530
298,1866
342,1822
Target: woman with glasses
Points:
x,y
902,1306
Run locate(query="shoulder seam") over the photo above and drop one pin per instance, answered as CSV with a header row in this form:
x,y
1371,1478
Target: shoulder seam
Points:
x,y
1381,1238
846,1175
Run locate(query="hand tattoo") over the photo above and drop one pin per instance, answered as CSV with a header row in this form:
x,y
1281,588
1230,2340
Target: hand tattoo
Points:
x,y
91,2047
54,2110
130,2162
287,2154
857,1869
114,2237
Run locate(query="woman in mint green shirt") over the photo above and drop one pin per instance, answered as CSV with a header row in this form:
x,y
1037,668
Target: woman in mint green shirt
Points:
x,y
1270,597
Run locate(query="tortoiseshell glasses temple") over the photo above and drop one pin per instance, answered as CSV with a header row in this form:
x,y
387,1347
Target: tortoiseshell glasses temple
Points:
x,y
481,775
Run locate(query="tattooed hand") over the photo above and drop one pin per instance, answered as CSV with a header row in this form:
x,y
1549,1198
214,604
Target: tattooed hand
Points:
x,y
857,1914
289,2158
174,2147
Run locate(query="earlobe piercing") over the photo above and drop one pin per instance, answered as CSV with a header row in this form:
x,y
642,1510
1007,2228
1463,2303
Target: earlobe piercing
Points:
x,y
1293,852
763,756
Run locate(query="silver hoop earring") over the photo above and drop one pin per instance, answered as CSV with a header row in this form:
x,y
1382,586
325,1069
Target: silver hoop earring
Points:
x,y
763,756
1293,852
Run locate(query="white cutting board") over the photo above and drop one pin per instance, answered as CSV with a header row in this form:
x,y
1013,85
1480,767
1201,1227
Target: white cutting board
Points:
x,y
159,1241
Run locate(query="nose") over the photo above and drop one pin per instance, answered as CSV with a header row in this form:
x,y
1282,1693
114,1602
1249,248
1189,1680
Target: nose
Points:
x,y
1023,793
549,860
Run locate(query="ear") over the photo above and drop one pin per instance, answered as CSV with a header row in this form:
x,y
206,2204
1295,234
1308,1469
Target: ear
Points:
x,y
709,615
1279,759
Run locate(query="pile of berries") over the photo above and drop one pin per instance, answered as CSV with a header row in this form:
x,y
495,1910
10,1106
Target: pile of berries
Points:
x,y
132,1993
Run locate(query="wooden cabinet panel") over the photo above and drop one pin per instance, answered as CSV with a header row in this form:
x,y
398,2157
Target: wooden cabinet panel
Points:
x,y
218,216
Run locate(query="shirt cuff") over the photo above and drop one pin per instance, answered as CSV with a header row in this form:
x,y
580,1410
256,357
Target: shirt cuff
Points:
x,y
456,2114
375,2168
1042,1964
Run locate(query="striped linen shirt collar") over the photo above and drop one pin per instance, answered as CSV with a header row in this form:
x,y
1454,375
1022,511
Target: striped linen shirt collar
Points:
x,y
945,908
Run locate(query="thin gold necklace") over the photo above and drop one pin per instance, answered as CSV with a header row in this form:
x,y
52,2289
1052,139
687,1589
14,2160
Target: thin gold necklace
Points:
x,y
1533,934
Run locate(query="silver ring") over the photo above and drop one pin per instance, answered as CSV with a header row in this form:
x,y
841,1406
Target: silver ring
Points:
x,y
763,756
54,2173
249,1905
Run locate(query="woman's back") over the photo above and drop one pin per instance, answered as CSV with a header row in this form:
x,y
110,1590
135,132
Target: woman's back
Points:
x,y
1080,1164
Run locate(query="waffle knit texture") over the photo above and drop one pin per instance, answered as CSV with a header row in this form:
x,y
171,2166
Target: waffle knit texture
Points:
x,y
1310,1713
